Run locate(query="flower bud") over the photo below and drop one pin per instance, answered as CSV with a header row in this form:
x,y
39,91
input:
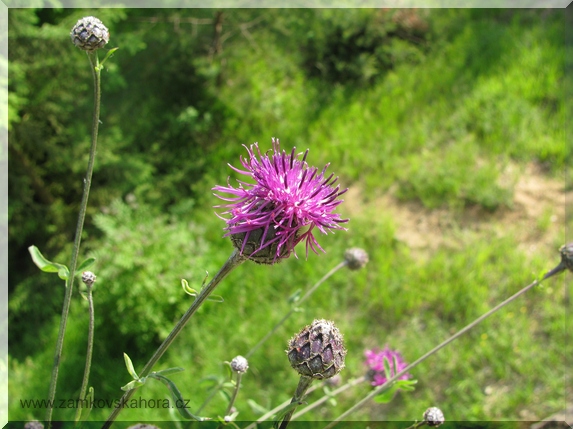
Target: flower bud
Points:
x,y
317,351
355,258
433,416
88,278
34,424
89,34
567,255
239,365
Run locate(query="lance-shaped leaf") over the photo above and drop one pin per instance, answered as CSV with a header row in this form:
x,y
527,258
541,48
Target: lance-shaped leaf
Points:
x,y
85,265
180,403
129,366
48,266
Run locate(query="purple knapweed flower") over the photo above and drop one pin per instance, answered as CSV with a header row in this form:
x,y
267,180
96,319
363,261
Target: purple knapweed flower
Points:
x,y
286,203
375,363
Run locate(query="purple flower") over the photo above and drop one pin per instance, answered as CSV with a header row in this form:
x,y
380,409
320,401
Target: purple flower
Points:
x,y
375,363
287,203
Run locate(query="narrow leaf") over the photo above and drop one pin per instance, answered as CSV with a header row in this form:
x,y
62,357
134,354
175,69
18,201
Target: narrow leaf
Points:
x,y
256,408
90,401
180,403
63,272
45,265
85,265
170,370
130,368
108,55
133,384
387,395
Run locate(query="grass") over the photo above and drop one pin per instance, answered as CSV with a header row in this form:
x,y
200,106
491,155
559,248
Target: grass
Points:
x,y
438,136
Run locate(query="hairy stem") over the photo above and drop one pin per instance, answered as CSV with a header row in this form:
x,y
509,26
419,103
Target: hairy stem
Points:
x,y
234,260
89,352
303,385
94,62
235,392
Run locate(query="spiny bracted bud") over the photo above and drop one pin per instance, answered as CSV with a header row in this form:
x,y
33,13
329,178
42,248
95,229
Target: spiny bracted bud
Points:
x,y
88,278
239,365
269,254
433,416
355,258
317,351
89,34
567,255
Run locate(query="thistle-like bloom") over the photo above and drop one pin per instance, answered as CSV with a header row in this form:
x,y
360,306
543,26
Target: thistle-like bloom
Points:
x,y
375,363
287,202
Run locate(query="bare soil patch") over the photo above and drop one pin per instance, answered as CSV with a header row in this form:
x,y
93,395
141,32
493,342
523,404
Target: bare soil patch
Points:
x,y
537,216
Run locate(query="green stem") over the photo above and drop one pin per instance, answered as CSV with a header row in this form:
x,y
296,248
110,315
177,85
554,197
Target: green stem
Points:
x,y
558,269
293,309
235,392
303,385
325,398
234,260
89,353
79,228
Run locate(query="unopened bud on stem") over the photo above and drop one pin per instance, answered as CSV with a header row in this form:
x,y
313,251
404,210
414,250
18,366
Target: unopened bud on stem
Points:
x,y
89,34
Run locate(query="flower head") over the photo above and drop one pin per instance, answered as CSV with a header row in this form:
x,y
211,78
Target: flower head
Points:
x,y
375,363
287,203
317,351
89,34
355,258
434,417
239,364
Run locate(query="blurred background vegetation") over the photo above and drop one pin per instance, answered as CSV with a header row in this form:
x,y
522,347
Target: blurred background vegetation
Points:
x,y
448,126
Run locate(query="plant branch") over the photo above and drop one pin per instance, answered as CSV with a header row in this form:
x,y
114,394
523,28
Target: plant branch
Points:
x,y
94,62
234,260
89,352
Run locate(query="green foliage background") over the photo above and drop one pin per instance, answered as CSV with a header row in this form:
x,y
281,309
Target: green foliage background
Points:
x,y
443,109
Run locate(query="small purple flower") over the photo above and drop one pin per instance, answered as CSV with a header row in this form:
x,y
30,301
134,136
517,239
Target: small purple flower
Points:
x,y
375,363
283,207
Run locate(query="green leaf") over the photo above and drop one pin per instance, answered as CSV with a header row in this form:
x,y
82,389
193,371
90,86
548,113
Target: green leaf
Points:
x,y
48,266
387,370
107,56
130,368
170,370
387,395
294,297
134,384
90,401
283,413
256,408
85,265
406,385
180,403
190,291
